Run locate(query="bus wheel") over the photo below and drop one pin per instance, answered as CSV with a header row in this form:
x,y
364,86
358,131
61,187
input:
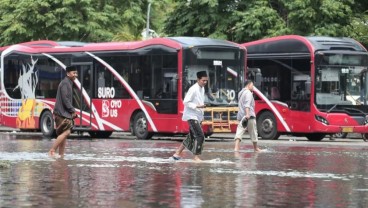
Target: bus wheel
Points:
x,y
315,136
100,134
267,127
340,135
140,126
47,124
365,137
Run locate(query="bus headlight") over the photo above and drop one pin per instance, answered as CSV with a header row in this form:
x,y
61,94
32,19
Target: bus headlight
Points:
x,y
321,119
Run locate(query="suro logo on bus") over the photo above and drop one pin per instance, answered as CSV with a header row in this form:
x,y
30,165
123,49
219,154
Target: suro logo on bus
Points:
x,y
106,92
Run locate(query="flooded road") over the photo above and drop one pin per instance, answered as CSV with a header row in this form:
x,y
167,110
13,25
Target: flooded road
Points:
x,y
131,173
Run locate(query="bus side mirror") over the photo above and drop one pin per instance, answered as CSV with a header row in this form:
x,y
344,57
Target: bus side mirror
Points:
x,y
256,75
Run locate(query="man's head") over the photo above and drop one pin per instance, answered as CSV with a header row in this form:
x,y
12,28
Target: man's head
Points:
x,y
202,78
71,72
249,84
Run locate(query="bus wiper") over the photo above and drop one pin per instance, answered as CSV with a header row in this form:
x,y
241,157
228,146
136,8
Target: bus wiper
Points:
x,y
332,108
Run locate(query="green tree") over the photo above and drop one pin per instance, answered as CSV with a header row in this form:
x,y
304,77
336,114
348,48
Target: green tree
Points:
x,y
247,20
206,18
359,24
135,18
260,19
78,20
81,20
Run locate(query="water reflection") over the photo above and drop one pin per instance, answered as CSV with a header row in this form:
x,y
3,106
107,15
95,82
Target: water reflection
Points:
x,y
130,173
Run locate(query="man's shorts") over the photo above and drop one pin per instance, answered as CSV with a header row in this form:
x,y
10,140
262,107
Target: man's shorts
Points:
x,y
195,139
62,124
252,130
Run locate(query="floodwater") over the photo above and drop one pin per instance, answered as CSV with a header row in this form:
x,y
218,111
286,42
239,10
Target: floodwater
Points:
x,y
131,173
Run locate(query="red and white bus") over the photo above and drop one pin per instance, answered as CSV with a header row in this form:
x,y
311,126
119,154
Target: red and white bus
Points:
x,y
122,86
311,86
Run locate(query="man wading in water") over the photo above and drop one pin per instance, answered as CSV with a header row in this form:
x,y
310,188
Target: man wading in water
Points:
x,y
193,114
64,111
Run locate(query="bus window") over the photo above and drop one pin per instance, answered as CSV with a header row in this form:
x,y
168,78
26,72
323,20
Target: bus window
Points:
x,y
153,77
286,79
50,76
32,77
163,83
120,62
11,74
222,67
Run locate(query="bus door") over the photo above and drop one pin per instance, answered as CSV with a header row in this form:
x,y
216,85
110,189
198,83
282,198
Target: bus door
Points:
x,y
82,97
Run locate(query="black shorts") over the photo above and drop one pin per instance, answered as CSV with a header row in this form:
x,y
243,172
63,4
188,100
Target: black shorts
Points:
x,y
62,124
195,139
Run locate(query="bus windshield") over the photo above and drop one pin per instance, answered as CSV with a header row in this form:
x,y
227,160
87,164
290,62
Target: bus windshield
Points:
x,y
224,68
341,80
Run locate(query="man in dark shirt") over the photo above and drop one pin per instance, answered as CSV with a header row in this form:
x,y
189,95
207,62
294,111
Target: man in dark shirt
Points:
x,y
64,111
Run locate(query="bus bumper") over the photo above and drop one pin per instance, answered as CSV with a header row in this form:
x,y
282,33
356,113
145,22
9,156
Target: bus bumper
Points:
x,y
343,129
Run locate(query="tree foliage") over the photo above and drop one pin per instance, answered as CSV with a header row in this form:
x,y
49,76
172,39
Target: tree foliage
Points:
x,y
247,20
135,18
25,20
78,20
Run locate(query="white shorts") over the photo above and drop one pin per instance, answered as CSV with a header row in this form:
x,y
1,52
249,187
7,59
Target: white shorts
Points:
x,y
252,130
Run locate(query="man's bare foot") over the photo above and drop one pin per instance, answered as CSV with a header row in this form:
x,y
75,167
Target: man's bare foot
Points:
x,y
257,150
176,156
197,159
51,152
237,154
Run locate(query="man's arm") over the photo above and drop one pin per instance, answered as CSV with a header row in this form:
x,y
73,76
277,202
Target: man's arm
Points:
x,y
247,115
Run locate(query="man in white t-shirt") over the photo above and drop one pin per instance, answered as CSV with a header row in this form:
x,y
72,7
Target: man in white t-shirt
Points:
x,y
193,114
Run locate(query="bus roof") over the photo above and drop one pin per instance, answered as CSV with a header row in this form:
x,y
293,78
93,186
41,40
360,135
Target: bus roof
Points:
x,y
195,41
295,44
174,43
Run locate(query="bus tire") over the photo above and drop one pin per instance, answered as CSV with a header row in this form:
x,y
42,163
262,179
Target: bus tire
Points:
x,y
100,134
267,126
341,135
140,126
365,137
47,124
315,136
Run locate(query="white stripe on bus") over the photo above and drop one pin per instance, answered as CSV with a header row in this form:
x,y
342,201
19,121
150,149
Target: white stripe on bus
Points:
x,y
231,71
273,108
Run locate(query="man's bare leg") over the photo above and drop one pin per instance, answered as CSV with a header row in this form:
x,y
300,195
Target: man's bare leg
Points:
x,y
255,146
178,152
237,145
63,143
62,148
58,141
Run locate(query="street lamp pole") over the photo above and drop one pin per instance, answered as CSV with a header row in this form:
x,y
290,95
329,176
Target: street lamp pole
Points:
x,y
148,18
